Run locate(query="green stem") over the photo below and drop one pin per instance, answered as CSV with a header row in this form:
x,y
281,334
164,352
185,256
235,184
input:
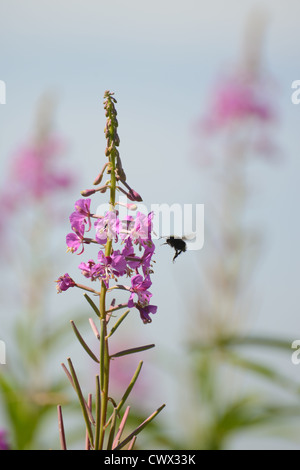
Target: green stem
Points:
x,y
104,349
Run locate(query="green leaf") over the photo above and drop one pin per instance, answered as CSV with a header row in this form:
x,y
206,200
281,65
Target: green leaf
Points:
x,y
125,352
22,411
118,323
112,429
266,342
247,412
92,304
262,370
139,428
83,343
233,340
81,401
129,388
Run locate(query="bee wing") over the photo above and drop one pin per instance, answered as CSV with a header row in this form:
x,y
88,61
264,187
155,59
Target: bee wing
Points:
x,y
190,236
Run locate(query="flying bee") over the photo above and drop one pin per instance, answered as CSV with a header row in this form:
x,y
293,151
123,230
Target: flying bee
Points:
x,y
178,243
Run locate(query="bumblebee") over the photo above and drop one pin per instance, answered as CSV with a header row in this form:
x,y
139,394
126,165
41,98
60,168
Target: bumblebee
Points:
x,y
178,243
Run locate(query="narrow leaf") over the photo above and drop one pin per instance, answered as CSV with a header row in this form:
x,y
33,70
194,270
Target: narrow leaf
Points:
x,y
94,328
93,305
128,390
102,350
88,444
98,413
121,428
68,375
61,428
83,343
81,401
130,386
118,323
139,428
112,429
73,385
263,371
125,352
263,341
131,443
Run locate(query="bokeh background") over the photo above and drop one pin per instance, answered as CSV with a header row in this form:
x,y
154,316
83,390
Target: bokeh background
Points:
x,y
164,61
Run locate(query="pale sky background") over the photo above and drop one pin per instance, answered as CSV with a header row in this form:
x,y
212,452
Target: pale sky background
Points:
x,y
160,59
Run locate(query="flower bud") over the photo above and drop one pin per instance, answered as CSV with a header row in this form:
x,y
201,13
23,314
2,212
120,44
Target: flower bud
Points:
x,y
116,140
131,207
87,192
100,176
136,196
103,189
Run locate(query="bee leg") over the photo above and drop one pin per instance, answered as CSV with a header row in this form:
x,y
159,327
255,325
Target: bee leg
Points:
x,y
177,253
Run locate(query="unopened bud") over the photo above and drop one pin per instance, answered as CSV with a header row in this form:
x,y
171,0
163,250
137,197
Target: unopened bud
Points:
x,y
131,207
88,192
100,176
136,196
116,140
103,189
132,194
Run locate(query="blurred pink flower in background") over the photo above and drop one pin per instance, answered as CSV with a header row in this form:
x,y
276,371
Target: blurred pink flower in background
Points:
x,y
239,97
34,190
3,440
121,374
242,106
36,172
33,172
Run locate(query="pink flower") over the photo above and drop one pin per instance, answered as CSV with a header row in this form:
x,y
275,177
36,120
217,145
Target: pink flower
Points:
x,y
139,287
87,269
144,312
82,212
107,227
138,229
64,282
76,239
133,261
33,175
238,98
3,440
107,268
33,170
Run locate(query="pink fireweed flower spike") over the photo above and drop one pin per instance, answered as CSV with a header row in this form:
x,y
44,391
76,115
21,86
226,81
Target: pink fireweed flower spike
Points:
x,y
126,250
